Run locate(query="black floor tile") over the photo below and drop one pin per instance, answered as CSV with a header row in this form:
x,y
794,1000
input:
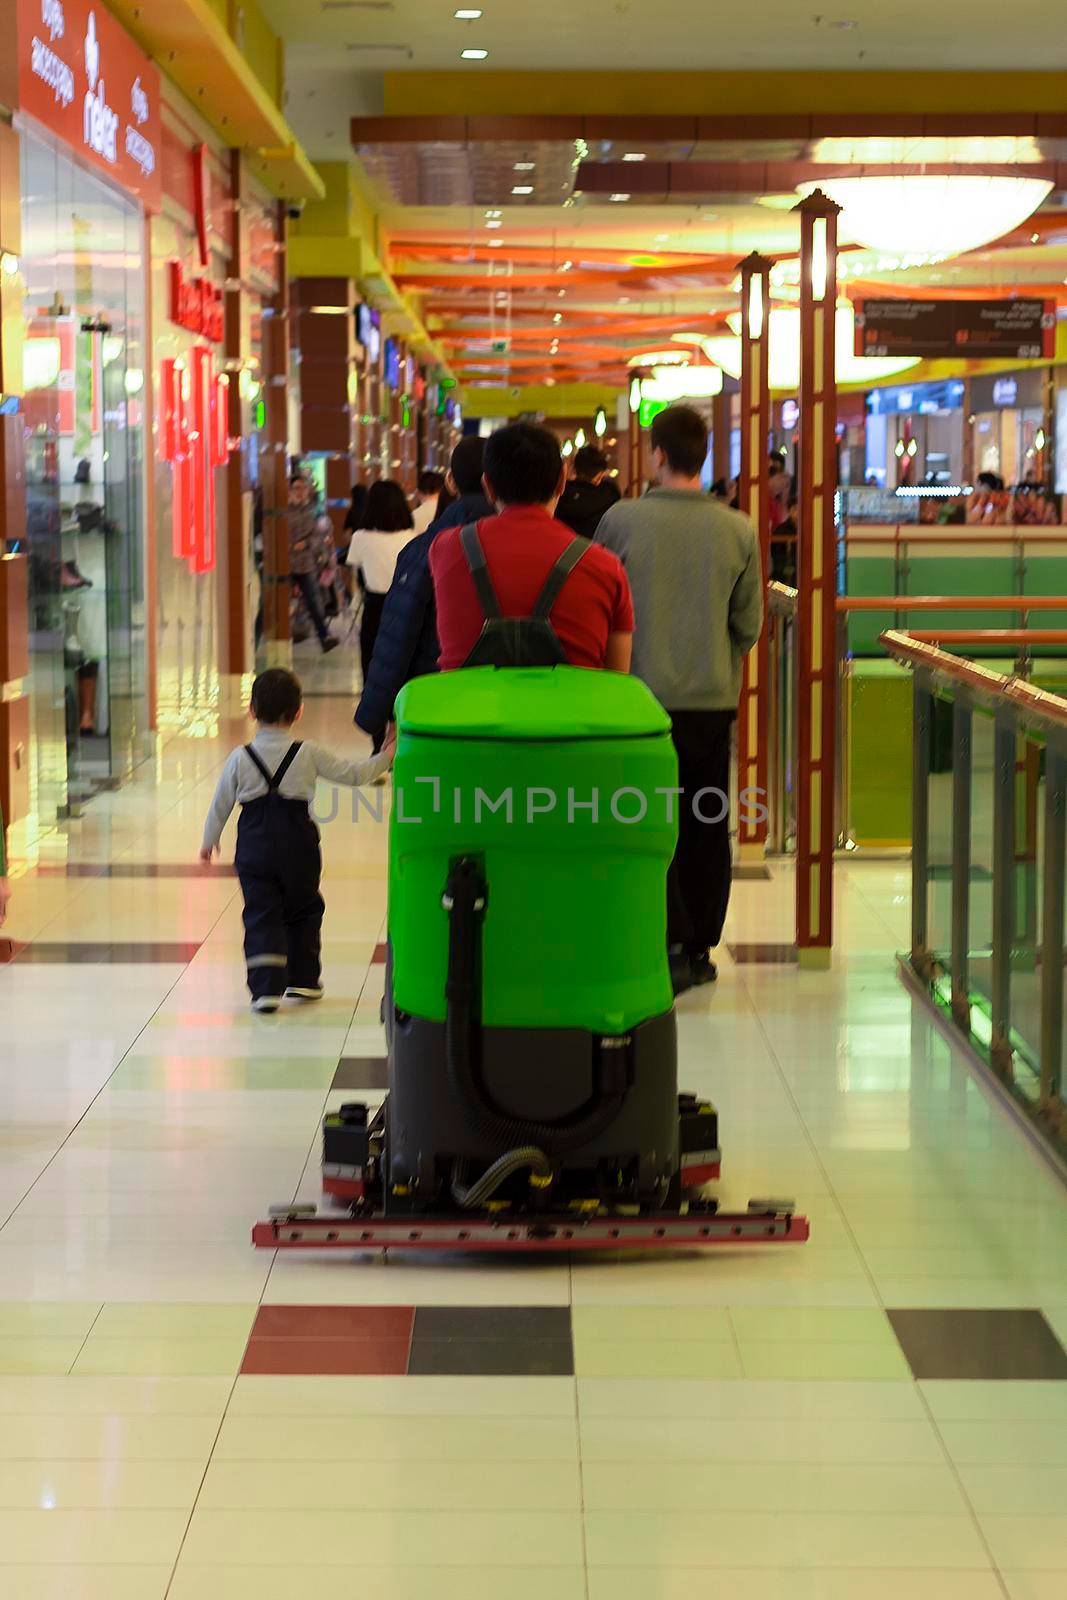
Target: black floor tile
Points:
x,y
979,1344
493,1322
84,953
361,1072
745,955
496,1358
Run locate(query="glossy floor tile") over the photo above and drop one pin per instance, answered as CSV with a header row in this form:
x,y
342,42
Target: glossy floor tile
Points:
x,y
877,1414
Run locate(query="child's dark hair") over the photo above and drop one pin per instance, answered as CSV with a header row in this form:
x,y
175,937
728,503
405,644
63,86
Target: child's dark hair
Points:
x,y
276,697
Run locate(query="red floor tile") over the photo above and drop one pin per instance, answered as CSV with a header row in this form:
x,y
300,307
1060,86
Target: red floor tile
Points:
x,y
329,1357
334,1322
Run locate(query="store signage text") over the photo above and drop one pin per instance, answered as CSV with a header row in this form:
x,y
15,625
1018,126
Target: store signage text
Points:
x,y
195,441
1023,330
82,76
196,304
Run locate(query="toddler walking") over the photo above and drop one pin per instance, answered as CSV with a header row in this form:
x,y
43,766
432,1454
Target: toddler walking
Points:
x,y
278,859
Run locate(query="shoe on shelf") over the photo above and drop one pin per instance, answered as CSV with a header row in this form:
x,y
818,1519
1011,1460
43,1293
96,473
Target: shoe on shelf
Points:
x,y
702,967
329,644
298,991
266,1002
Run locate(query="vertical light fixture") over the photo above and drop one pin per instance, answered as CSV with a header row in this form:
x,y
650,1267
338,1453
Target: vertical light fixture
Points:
x,y
817,572
579,439
600,423
753,719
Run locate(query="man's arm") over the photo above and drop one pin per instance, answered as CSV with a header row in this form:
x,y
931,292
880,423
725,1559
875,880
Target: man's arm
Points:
x,y
612,530
620,648
746,602
407,616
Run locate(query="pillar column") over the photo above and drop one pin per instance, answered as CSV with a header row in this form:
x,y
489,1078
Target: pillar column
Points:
x,y
329,382
14,589
753,718
720,436
275,464
235,631
633,439
816,609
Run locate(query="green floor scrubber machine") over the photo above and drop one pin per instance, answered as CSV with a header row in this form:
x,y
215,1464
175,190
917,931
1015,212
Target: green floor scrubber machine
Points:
x,y
532,1096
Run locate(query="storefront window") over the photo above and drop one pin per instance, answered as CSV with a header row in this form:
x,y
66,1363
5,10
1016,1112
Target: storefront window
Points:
x,y
85,380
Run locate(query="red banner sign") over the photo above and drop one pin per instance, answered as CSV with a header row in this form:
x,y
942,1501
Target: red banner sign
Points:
x,y
195,442
82,76
196,304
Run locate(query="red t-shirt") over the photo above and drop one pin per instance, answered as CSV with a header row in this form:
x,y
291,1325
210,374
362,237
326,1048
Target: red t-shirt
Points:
x,y
520,547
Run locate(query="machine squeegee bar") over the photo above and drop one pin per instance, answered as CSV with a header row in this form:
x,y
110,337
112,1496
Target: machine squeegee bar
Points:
x,y
602,1233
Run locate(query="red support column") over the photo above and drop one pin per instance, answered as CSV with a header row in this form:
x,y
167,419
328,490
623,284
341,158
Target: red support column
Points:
x,y
753,710
633,439
816,611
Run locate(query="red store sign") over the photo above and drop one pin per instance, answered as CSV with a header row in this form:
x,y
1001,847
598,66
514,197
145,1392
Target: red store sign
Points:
x,y
84,79
195,442
196,304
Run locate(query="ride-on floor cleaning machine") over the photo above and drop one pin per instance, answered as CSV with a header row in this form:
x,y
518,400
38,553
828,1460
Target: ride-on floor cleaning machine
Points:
x,y
532,1078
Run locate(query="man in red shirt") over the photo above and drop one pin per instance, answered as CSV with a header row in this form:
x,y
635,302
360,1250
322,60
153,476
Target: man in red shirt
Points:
x,y
593,614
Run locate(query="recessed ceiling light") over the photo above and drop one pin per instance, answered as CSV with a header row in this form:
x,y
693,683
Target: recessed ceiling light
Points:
x,y
494,212
494,222
634,155
566,266
474,55
525,166
522,188
661,238
558,317
495,244
467,15
617,199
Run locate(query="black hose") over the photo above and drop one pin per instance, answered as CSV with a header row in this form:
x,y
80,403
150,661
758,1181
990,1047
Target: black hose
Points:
x,y
465,900
503,1168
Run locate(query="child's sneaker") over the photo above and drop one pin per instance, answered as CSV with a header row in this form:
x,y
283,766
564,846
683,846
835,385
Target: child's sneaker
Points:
x,y
266,1002
296,991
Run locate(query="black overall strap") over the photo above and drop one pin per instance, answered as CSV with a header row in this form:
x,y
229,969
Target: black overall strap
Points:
x,y
475,558
562,568
283,766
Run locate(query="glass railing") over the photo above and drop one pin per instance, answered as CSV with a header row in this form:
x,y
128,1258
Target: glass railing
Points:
x,y
782,720
989,804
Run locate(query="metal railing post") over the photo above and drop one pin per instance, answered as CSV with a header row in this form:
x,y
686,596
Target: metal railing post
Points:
x,y
842,733
962,718
922,716
1004,742
1053,927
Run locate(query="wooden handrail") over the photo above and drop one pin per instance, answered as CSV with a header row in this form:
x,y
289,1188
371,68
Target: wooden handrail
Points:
x,y
1023,636
1036,705
956,602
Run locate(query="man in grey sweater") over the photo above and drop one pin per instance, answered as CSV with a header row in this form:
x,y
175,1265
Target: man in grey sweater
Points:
x,y
695,572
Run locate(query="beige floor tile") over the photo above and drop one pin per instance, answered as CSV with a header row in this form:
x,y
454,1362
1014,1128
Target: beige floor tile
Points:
x,y
78,1395
42,1319
616,1323
90,1538
210,1357
84,1582
398,1439
392,1486
282,1582
836,1360
771,1486
800,1324
1025,1543
257,1396
682,1583
674,1439
104,1484
42,1354
381,1539
655,1358
771,1539
106,1437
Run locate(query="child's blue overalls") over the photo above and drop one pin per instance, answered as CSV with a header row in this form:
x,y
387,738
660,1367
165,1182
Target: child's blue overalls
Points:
x,y
279,864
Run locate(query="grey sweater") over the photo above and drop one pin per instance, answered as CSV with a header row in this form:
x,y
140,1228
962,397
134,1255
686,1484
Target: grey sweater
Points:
x,y
694,568
242,780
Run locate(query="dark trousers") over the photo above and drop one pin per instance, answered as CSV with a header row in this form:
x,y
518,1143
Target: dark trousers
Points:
x,y
698,882
279,864
370,622
308,584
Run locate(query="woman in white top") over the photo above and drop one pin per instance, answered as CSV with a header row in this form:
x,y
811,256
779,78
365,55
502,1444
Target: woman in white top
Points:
x,y
373,552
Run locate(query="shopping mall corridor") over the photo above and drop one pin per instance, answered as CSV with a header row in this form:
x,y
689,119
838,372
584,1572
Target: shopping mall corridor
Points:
x,y
879,1412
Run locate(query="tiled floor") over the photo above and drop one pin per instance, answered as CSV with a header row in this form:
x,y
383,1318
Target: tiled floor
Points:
x,y
879,1413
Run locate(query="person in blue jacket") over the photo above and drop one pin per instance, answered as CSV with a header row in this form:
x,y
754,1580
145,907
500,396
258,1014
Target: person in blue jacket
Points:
x,y
406,646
